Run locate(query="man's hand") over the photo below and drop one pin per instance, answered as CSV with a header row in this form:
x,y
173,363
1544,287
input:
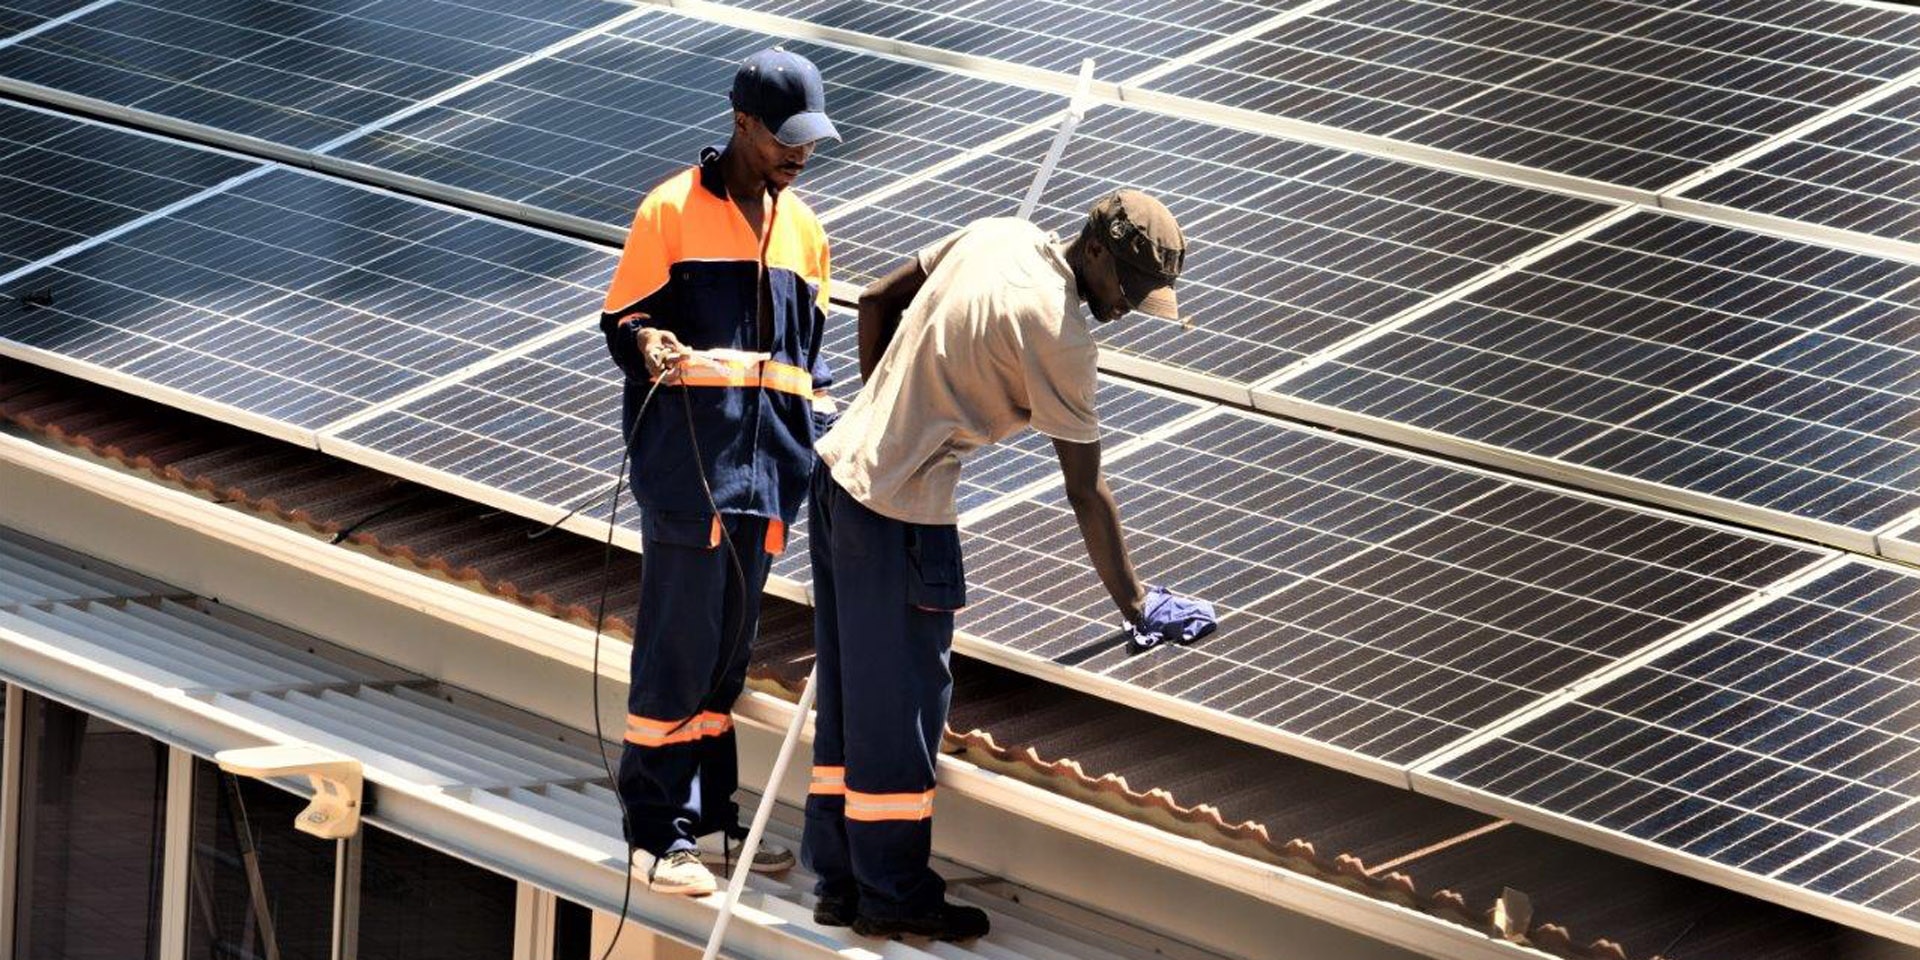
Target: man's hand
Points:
x,y
659,347
1169,616
1099,519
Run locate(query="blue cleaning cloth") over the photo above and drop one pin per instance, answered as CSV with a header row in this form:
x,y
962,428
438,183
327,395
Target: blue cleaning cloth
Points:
x,y
1169,616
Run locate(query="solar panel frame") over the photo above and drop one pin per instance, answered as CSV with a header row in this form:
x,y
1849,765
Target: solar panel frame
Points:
x,y
1079,647
1739,841
1312,392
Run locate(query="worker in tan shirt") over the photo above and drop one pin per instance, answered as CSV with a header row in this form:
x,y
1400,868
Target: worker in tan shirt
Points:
x,y
974,338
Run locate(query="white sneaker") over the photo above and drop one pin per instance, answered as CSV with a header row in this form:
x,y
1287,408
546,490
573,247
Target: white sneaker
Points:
x,y
678,873
721,849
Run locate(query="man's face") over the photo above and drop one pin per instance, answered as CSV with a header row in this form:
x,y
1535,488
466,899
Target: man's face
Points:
x,y
1106,297
774,162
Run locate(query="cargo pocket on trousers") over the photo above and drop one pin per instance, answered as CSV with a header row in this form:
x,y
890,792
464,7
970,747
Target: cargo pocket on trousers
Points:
x,y
936,581
701,530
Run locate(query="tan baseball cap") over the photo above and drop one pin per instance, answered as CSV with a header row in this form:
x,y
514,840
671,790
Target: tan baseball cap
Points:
x,y
1147,246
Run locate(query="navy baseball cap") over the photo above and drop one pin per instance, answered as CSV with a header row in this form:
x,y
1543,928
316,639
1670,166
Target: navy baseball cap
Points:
x,y
784,90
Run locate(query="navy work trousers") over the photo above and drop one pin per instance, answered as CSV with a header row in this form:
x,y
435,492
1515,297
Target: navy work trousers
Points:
x,y
884,593
678,770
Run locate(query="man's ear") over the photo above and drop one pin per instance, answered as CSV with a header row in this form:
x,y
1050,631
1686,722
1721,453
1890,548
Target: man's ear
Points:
x,y
742,123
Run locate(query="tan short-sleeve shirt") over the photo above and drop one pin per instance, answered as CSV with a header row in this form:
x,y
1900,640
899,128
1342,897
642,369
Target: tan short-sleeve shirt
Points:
x,y
994,341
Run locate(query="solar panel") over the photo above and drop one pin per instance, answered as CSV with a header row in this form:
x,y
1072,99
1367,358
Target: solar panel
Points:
x,y
1860,173
289,301
63,180
1375,607
297,72
1292,246
1626,94
588,131
1780,746
1760,378
1125,38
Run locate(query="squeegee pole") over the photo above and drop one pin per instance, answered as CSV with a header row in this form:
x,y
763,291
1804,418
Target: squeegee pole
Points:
x,y
1075,110
761,814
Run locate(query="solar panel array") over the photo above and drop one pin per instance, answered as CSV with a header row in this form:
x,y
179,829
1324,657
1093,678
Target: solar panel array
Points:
x,y
1374,605
295,300
1760,372
1125,38
298,72
1781,745
1508,644
587,131
62,180
1622,93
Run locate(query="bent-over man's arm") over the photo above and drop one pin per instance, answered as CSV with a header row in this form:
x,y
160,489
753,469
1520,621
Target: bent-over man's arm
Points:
x,y
1099,519
881,305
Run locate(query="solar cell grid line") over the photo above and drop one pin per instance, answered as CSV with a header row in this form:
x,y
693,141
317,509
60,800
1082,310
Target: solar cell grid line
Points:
x,y
1859,173
1625,95
25,18
1779,749
63,180
289,301
1293,246
1126,39
1375,606
586,132
1754,377
291,72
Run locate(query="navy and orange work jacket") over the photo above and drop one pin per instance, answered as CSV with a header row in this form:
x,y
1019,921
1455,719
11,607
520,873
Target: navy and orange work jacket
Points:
x,y
692,265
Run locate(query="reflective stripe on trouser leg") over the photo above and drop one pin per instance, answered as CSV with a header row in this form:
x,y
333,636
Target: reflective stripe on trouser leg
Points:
x,y
678,783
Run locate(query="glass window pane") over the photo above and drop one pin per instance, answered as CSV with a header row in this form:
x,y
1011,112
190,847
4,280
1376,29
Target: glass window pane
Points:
x,y
419,904
90,838
572,931
278,885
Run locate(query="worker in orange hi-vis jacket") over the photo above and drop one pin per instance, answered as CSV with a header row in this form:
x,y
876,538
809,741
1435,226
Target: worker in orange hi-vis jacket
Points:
x,y
717,312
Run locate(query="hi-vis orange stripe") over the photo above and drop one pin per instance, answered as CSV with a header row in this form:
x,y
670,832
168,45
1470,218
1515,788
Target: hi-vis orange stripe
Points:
x,y
829,781
699,371
873,807
648,732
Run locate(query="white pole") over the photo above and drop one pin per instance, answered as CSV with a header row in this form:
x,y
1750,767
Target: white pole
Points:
x,y
760,817
1076,109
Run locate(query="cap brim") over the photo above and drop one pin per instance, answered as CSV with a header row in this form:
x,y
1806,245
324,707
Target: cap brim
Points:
x,y
1154,294
806,128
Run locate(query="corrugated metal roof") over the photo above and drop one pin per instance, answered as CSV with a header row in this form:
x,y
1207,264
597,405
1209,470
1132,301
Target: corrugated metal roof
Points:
x,y
28,575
